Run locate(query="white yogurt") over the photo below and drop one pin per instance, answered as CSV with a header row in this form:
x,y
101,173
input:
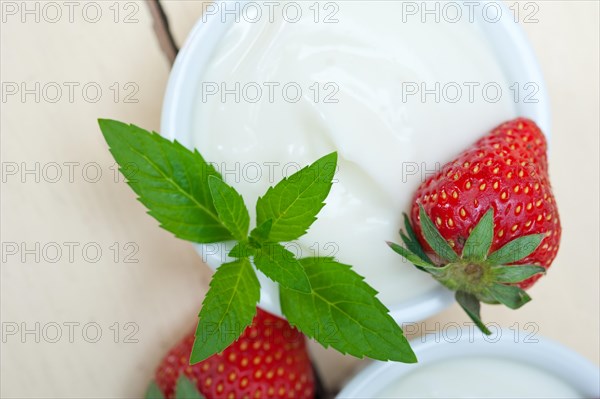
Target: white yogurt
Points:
x,y
380,136
479,377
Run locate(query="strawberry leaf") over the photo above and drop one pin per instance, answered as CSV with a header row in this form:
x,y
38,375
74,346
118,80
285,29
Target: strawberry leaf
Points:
x,y
153,392
434,238
294,202
414,259
227,310
516,249
343,311
480,240
471,306
509,295
185,389
281,266
474,276
515,274
411,241
170,180
230,207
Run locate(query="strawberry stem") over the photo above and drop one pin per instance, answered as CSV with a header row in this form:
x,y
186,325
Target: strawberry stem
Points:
x,y
476,275
471,306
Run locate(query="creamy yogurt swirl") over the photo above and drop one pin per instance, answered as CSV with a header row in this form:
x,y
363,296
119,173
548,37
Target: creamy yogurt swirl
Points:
x,y
357,79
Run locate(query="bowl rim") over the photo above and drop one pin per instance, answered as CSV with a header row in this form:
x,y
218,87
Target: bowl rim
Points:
x,y
177,108
545,354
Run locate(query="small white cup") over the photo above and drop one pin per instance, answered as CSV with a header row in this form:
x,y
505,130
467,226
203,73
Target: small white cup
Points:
x,y
505,37
540,353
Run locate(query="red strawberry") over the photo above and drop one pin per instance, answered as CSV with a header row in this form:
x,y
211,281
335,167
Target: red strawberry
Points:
x,y
269,360
505,173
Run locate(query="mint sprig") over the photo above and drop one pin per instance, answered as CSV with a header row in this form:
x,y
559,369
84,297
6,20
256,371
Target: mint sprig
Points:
x,y
324,299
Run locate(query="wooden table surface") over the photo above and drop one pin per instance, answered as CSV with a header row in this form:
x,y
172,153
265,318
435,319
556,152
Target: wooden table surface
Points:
x,y
93,292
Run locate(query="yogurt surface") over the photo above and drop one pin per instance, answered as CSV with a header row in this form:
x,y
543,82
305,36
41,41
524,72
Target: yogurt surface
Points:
x,y
355,76
479,377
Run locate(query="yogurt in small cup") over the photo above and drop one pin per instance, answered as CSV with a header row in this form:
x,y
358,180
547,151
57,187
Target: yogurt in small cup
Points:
x,y
262,92
466,364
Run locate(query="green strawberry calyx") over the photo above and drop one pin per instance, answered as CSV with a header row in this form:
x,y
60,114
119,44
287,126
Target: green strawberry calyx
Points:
x,y
476,275
184,389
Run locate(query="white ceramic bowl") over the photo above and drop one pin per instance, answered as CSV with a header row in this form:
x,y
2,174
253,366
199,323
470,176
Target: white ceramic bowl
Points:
x,y
506,38
545,355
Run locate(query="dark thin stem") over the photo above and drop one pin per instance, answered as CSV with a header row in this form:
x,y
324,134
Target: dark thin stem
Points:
x,y
162,30
320,390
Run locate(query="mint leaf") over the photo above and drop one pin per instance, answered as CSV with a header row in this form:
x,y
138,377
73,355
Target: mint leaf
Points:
x,y
171,181
281,266
242,249
342,311
480,240
434,238
516,249
185,389
153,392
230,207
260,234
227,310
294,202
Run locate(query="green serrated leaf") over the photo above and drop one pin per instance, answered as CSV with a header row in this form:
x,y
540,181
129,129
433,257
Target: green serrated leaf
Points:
x,y
412,242
153,392
515,274
413,258
170,180
294,202
516,249
509,295
281,266
471,306
228,308
343,311
230,207
242,249
260,234
480,240
185,389
434,238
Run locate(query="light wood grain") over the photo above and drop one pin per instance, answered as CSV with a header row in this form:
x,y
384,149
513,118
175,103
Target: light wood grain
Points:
x,y
163,291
